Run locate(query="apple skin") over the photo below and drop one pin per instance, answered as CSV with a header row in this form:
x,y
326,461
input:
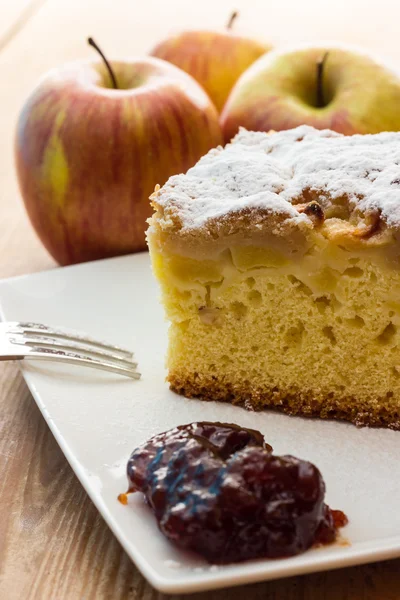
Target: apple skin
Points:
x,y
216,59
279,92
88,156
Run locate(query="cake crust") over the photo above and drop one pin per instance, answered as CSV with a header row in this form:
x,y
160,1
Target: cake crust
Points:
x,y
291,401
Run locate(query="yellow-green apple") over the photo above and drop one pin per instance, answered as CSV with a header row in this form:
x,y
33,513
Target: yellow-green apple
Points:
x,y
88,156
216,59
334,87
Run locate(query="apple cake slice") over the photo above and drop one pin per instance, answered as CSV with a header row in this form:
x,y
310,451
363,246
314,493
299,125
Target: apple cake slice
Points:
x,y
279,263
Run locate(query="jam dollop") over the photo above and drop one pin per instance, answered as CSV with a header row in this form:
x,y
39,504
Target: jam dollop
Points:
x,y
217,489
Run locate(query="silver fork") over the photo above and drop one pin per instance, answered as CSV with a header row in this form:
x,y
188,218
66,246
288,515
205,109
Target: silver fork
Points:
x,y
39,342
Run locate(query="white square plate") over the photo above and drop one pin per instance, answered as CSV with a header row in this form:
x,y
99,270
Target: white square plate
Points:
x,y
98,419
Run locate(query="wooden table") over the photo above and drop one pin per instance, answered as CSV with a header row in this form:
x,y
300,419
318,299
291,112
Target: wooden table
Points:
x,y
53,543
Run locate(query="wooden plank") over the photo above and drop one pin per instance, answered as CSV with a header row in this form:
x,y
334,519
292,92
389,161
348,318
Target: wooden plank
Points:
x,y
14,16
53,543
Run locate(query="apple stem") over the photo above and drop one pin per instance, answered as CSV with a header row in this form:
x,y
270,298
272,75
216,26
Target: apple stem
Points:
x,y
92,43
232,19
320,81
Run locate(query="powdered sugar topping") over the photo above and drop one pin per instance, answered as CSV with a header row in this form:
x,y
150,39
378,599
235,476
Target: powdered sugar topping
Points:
x,y
274,172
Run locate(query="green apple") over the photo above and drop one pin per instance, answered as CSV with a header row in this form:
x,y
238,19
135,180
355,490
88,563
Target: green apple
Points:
x,y
216,59
88,155
326,86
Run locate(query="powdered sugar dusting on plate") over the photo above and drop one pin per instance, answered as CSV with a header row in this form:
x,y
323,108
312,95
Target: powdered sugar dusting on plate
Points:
x,y
272,171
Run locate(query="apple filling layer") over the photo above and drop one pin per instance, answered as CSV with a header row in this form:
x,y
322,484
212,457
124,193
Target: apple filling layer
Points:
x,y
317,337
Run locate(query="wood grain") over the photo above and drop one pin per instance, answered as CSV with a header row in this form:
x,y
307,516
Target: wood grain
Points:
x,y
53,543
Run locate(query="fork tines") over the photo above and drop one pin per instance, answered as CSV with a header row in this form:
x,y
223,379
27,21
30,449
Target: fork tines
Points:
x,y
44,331
42,342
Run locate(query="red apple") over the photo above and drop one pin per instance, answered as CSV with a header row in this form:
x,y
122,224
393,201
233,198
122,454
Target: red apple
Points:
x,y
216,59
326,86
88,156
